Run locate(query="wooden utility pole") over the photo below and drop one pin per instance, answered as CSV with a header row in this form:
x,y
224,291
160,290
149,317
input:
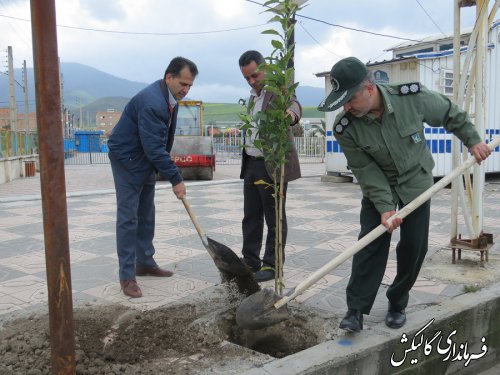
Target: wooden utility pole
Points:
x,y
55,215
12,100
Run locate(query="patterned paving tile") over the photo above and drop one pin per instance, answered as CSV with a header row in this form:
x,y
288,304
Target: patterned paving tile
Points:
x,y
166,231
156,292
229,213
34,262
28,289
307,213
79,234
234,229
84,220
33,210
319,286
166,253
14,220
7,236
10,304
7,273
326,226
94,209
339,243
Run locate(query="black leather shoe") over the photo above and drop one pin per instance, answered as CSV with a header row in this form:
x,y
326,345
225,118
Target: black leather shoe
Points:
x,y
265,274
353,321
395,318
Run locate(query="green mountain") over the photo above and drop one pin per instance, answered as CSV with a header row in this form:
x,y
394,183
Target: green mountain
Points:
x,y
93,90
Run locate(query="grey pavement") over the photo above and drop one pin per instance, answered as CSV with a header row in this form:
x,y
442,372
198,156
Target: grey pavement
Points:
x,y
323,221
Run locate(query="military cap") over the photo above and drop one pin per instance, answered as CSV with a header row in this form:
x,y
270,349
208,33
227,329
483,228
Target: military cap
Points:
x,y
345,76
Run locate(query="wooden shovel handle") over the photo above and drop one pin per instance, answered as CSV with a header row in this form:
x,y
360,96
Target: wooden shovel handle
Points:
x,y
194,219
378,231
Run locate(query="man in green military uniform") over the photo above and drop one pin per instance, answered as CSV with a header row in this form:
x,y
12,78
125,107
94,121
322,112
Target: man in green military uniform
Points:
x,y
381,132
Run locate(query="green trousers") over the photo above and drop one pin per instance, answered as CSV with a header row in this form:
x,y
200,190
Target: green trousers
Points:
x,y
368,265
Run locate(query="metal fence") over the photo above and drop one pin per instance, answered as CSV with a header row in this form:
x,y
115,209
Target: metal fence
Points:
x,y
86,149
227,150
17,143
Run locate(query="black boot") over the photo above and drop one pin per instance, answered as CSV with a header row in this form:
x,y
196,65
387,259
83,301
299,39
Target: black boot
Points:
x,y
353,321
395,318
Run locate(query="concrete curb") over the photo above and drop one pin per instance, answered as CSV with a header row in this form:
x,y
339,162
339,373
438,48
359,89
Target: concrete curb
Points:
x,y
35,197
473,316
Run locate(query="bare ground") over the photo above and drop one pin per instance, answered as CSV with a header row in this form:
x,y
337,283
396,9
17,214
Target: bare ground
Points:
x,y
197,338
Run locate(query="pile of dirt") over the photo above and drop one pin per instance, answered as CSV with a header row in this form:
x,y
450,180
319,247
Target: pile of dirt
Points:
x,y
187,339
114,340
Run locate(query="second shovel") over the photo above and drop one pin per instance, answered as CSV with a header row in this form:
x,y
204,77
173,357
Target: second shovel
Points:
x,y
227,262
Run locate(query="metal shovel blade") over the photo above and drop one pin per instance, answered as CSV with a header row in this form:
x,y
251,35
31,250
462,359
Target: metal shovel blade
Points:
x,y
232,268
226,260
257,311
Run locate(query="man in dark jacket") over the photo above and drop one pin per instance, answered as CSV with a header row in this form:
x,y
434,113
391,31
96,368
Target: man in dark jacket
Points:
x,y
139,146
259,200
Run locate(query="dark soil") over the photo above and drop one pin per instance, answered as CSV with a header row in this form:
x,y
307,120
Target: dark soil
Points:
x,y
113,340
184,339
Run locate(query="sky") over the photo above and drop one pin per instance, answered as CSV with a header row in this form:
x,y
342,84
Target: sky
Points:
x,y
135,39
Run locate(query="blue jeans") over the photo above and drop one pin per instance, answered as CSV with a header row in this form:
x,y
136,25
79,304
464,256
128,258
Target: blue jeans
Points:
x,y
135,219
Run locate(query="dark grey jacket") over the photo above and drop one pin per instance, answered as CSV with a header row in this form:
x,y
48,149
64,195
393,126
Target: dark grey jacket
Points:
x,y
143,137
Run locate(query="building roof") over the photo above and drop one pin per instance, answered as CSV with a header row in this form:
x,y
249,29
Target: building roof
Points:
x,y
429,39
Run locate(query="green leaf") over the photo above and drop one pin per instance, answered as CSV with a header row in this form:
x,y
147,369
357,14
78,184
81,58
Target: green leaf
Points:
x,y
277,44
271,31
275,19
269,2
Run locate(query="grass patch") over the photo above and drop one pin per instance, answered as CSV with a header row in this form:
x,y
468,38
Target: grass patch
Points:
x,y
229,112
472,288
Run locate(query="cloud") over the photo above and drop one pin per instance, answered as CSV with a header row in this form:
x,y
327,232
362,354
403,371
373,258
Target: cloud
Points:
x,y
228,9
104,10
144,57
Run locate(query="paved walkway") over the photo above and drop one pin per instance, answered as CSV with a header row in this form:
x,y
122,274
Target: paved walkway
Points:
x,y
323,221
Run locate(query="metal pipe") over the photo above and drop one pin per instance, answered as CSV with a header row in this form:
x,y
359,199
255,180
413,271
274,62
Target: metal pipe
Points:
x,y
455,152
53,191
479,119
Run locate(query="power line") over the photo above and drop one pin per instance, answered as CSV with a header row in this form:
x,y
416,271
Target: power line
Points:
x,y
14,79
428,15
144,33
21,34
301,24
342,27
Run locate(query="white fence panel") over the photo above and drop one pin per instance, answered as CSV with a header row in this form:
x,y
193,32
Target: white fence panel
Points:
x,y
228,149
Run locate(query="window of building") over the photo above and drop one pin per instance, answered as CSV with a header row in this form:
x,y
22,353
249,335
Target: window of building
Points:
x,y
447,82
